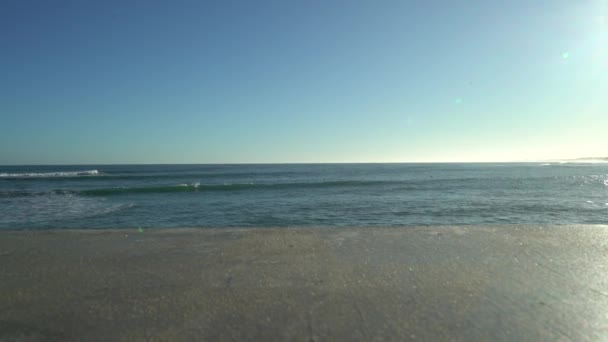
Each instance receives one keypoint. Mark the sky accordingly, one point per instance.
(111, 82)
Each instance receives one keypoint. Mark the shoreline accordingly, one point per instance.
(484, 227)
(499, 282)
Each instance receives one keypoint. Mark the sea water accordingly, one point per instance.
(328, 195)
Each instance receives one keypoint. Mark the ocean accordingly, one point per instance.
(285, 195)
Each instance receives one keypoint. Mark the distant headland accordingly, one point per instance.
(592, 159)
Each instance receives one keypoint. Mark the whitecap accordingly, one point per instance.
(193, 185)
(51, 174)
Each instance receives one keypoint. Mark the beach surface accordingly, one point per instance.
(463, 283)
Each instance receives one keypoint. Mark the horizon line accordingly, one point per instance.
(317, 163)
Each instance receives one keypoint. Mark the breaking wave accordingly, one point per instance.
(50, 174)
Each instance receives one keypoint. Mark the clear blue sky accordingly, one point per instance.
(302, 81)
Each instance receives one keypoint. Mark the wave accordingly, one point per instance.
(225, 175)
(23, 193)
(137, 175)
(434, 184)
(197, 187)
(50, 174)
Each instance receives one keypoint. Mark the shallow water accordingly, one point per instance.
(98, 196)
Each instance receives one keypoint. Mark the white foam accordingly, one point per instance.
(193, 185)
(51, 174)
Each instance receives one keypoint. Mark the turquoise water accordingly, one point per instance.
(102, 196)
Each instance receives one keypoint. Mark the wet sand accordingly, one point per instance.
(516, 283)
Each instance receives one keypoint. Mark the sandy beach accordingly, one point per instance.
(518, 283)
